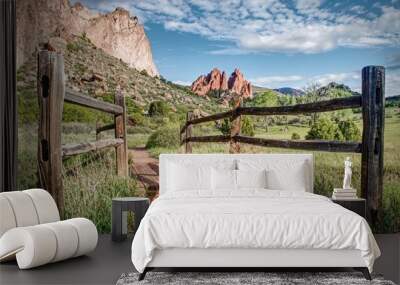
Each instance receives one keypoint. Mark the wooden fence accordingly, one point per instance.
(372, 102)
(52, 93)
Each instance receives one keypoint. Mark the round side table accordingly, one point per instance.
(120, 208)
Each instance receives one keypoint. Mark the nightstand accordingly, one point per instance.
(357, 205)
(120, 208)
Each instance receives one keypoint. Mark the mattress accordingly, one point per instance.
(250, 219)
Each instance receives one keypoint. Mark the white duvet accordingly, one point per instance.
(250, 219)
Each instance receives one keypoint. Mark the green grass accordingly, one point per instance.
(137, 140)
(89, 189)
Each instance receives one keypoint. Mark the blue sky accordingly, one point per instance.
(275, 43)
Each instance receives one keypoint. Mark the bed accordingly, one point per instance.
(247, 210)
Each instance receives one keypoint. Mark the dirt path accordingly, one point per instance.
(145, 169)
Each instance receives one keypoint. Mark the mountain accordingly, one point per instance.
(329, 89)
(290, 91)
(393, 101)
(216, 82)
(117, 33)
(259, 89)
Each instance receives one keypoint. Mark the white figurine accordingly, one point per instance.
(347, 173)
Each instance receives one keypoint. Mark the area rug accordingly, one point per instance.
(243, 278)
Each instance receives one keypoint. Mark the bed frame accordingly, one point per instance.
(242, 259)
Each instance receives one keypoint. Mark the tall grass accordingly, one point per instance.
(90, 183)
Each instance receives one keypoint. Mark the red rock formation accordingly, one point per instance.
(216, 80)
(224, 82)
(239, 85)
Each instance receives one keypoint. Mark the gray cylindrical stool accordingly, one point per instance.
(120, 208)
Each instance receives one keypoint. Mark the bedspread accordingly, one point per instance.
(250, 218)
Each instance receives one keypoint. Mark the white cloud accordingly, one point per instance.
(181, 82)
(307, 4)
(273, 80)
(308, 26)
(392, 84)
(275, 26)
(335, 77)
(352, 79)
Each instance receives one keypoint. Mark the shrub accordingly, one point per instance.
(216, 93)
(268, 98)
(247, 127)
(326, 129)
(224, 127)
(349, 130)
(73, 113)
(166, 136)
(158, 108)
(144, 72)
(323, 129)
(73, 47)
(295, 136)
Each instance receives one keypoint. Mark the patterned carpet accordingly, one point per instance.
(243, 278)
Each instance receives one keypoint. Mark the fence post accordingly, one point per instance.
(234, 146)
(189, 128)
(120, 133)
(98, 136)
(373, 110)
(51, 92)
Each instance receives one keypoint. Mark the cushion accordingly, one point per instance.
(87, 234)
(7, 220)
(40, 244)
(26, 208)
(284, 174)
(279, 180)
(251, 178)
(23, 208)
(224, 179)
(45, 205)
(188, 177)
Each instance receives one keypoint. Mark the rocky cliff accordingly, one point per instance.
(217, 82)
(117, 33)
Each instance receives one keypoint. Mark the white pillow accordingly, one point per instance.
(280, 180)
(184, 177)
(223, 179)
(281, 174)
(251, 178)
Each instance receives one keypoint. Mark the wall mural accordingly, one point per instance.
(109, 49)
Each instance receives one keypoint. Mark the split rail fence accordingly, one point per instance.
(372, 103)
(52, 93)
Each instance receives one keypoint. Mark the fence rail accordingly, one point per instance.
(52, 93)
(75, 149)
(76, 98)
(372, 103)
(105, 128)
(316, 107)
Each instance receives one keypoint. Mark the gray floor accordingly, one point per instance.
(110, 260)
(103, 266)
